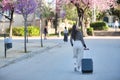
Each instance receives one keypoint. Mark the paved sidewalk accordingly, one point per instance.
(16, 53)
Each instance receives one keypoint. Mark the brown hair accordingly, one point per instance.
(74, 31)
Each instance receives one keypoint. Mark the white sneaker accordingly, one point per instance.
(76, 68)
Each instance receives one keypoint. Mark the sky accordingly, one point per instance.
(49, 0)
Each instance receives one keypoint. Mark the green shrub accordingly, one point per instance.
(99, 25)
(33, 31)
(69, 30)
(71, 22)
(90, 31)
(19, 31)
(52, 34)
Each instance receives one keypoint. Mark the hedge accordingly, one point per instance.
(90, 31)
(19, 31)
(100, 25)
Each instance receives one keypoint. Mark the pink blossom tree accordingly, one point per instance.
(25, 7)
(8, 6)
(83, 5)
(94, 5)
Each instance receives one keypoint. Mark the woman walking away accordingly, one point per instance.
(65, 35)
(79, 45)
(116, 25)
(45, 33)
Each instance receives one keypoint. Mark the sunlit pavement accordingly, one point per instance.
(55, 62)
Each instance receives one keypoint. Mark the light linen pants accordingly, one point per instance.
(78, 50)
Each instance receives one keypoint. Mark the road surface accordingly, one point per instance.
(57, 63)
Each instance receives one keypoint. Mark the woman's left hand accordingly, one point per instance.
(86, 48)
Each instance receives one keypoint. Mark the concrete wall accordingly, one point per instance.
(17, 22)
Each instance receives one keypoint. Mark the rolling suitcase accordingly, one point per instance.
(87, 65)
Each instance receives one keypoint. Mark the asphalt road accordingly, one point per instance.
(57, 64)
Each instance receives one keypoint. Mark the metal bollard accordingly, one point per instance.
(8, 44)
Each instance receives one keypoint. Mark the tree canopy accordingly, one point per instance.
(25, 6)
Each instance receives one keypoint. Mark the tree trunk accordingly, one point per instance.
(10, 28)
(84, 31)
(11, 21)
(25, 33)
(56, 23)
(83, 28)
(41, 32)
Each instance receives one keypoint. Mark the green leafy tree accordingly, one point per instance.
(116, 11)
(71, 12)
(118, 1)
(43, 12)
